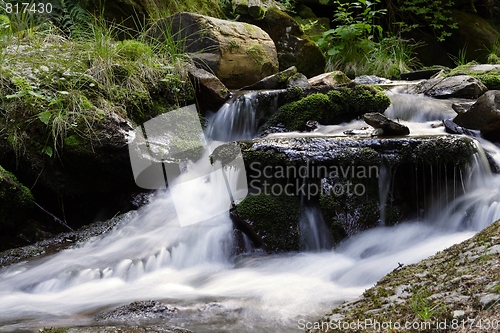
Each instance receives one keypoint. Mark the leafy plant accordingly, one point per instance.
(424, 13)
(424, 307)
(461, 58)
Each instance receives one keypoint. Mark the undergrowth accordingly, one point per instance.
(59, 80)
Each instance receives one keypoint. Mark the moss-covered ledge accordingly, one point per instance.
(342, 176)
(339, 104)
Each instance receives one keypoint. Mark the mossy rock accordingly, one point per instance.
(15, 201)
(489, 75)
(293, 46)
(338, 105)
(272, 221)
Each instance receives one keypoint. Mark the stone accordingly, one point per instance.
(464, 86)
(371, 79)
(254, 8)
(452, 128)
(322, 160)
(331, 79)
(484, 115)
(293, 46)
(389, 127)
(461, 107)
(208, 88)
(275, 81)
(238, 53)
(298, 80)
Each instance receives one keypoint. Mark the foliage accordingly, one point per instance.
(425, 13)
(357, 44)
(355, 33)
(55, 85)
(423, 306)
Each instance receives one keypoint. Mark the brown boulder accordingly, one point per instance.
(239, 54)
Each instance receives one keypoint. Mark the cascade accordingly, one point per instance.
(150, 256)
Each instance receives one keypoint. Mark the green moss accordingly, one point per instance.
(342, 104)
(54, 330)
(274, 218)
(133, 50)
(490, 78)
(295, 115)
(15, 200)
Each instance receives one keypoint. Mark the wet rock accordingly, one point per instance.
(208, 88)
(270, 221)
(293, 46)
(389, 127)
(275, 81)
(461, 107)
(237, 53)
(139, 311)
(118, 329)
(331, 79)
(455, 86)
(298, 80)
(325, 170)
(371, 79)
(484, 116)
(453, 128)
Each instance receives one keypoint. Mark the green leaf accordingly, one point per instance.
(45, 117)
(48, 151)
(35, 94)
(16, 95)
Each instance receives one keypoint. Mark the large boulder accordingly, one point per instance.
(293, 46)
(454, 86)
(484, 115)
(239, 54)
(342, 175)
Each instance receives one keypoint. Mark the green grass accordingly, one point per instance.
(387, 58)
(54, 85)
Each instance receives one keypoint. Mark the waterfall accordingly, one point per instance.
(314, 233)
(150, 256)
(238, 119)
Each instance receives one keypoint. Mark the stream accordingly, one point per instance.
(194, 268)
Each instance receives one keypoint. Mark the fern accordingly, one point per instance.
(72, 16)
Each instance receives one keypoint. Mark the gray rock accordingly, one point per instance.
(331, 79)
(208, 88)
(371, 79)
(275, 81)
(455, 86)
(298, 80)
(453, 128)
(484, 115)
(461, 107)
(488, 299)
(388, 126)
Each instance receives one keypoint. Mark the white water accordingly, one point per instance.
(193, 268)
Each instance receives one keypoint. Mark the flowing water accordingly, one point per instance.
(150, 256)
